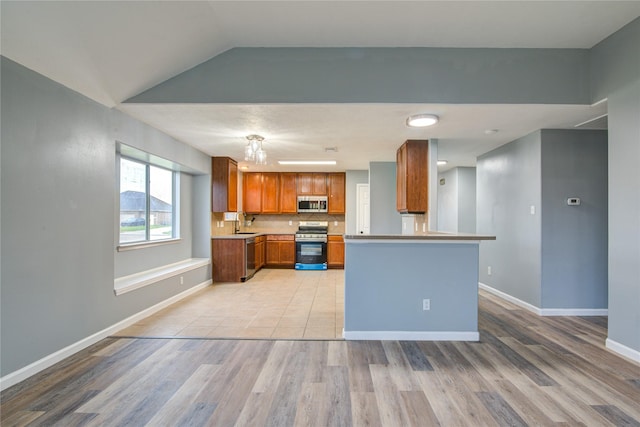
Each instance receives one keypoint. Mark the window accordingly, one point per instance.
(147, 202)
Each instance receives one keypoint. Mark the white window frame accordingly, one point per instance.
(147, 161)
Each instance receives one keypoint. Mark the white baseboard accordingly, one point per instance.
(623, 350)
(411, 335)
(50, 360)
(545, 311)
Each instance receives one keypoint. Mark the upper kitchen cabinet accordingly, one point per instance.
(312, 184)
(336, 184)
(412, 177)
(270, 192)
(224, 184)
(261, 192)
(288, 193)
(252, 192)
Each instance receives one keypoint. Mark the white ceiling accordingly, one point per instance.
(112, 50)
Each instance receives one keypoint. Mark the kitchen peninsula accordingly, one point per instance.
(422, 286)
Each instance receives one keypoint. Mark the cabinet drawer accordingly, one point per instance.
(280, 237)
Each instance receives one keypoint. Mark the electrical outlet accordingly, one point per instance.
(335, 223)
(424, 227)
(489, 270)
(426, 304)
(182, 280)
(290, 222)
(532, 209)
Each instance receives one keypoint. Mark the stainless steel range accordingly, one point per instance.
(311, 245)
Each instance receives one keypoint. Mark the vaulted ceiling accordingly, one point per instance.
(110, 51)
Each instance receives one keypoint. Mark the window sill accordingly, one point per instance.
(142, 245)
(125, 284)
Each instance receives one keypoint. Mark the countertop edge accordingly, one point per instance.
(414, 237)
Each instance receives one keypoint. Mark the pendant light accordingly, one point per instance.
(254, 151)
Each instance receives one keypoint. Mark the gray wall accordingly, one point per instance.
(457, 200)
(574, 238)
(385, 284)
(384, 218)
(615, 65)
(554, 258)
(353, 177)
(508, 184)
(59, 218)
(433, 75)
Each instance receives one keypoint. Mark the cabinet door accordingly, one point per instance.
(401, 174)
(412, 177)
(336, 183)
(335, 252)
(259, 254)
(270, 192)
(287, 253)
(272, 252)
(305, 184)
(224, 184)
(319, 184)
(288, 199)
(252, 192)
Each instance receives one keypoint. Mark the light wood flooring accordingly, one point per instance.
(526, 370)
(275, 303)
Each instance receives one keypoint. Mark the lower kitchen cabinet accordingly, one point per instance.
(260, 252)
(280, 251)
(228, 259)
(335, 252)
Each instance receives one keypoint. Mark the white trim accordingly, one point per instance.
(125, 284)
(623, 350)
(574, 312)
(546, 311)
(510, 298)
(50, 360)
(412, 335)
(147, 244)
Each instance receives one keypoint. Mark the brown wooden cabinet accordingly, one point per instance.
(288, 193)
(228, 259)
(280, 251)
(336, 193)
(335, 252)
(312, 184)
(252, 192)
(260, 251)
(270, 192)
(412, 177)
(224, 184)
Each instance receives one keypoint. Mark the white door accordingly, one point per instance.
(362, 209)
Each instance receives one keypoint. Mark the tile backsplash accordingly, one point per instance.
(274, 223)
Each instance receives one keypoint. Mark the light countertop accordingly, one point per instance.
(429, 235)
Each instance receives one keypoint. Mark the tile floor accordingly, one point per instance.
(273, 304)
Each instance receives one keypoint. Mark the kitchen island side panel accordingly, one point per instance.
(386, 283)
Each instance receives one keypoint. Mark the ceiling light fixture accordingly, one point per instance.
(422, 120)
(442, 162)
(307, 162)
(253, 151)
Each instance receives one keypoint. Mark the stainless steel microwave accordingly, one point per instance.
(312, 204)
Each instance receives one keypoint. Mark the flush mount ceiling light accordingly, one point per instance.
(307, 162)
(253, 151)
(422, 120)
(442, 162)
